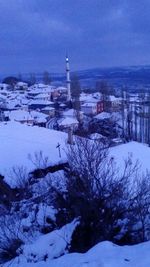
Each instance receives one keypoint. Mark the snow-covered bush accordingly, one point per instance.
(10, 237)
(107, 200)
(9, 249)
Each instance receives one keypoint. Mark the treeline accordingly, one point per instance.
(30, 78)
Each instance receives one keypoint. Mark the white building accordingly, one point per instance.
(89, 108)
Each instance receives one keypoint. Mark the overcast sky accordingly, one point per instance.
(35, 34)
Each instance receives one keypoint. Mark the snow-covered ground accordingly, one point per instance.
(104, 254)
(138, 152)
(17, 141)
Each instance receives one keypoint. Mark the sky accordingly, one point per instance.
(36, 34)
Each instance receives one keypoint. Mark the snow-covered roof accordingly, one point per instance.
(89, 105)
(13, 103)
(36, 91)
(3, 97)
(96, 136)
(69, 112)
(62, 105)
(61, 88)
(40, 120)
(4, 85)
(5, 92)
(41, 86)
(25, 101)
(40, 102)
(22, 115)
(90, 98)
(68, 121)
(113, 98)
(42, 95)
(22, 84)
(19, 115)
(103, 115)
(48, 108)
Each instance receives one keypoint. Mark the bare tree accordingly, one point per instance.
(140, 207)
(46, 78)
(105, 90)
(32, 78)
(20, 175)
(39, 160)
(11, 237)
(75, 92)
(20, 77)
(98, 193)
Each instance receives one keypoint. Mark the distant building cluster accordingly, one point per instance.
(67, 108)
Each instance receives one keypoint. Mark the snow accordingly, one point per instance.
(69, 113)
(96, 136)
(19, 140)
(22, 84)
(42, 96)
(56, 180)
(51, 245)
(103, 116)
(13, 103)
(104, 254)
(19, 115)
(113, 98)
(89, 98)
(40, 102)
(22, 115)
(39, 212)
(68, 121)
(89, 105)
(138, 151)
(61, 88)
(45, 211)
(40, 89)
(2, 97)
(48, 108)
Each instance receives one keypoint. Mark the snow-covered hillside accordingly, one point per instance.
(51, 249)
(19, 140)
(138, 152)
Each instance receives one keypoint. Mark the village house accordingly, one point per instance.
(21, 86)
(114, 103)
(89, 108)
(39, 104)
(4, 87)
(91, 104)
(27, 117)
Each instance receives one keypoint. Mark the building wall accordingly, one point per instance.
(100, 107)
(89, 109)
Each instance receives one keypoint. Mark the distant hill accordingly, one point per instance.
(134, 78)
